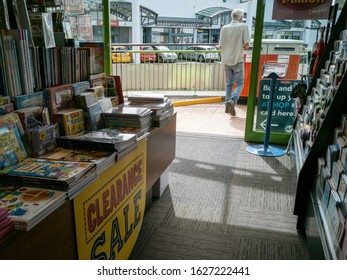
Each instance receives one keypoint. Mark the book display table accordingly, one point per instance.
(80, 228)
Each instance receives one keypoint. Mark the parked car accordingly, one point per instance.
(165, 55)
(200, 53)
(120, 54)
(147, 56)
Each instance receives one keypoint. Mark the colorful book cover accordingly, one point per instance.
(35, 99)
(70, 121)
(41, 168)
(5, 109)
(27, 206)
(63, 154)
(12, 150)
(42, 139)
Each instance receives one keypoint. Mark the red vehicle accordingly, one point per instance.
(147, 56)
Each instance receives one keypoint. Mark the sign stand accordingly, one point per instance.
(273, 71)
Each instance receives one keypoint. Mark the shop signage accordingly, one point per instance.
(109, 212)
(301, 9)
(283, 112)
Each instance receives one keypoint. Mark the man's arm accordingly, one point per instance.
(246, 46)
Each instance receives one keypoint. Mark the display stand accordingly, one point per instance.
(272, 71)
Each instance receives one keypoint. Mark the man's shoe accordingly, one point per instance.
(227, 107)
(232, 110)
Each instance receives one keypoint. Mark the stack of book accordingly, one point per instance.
(123, 116)
(161, 106)
(6, 224)
(100, 159)
(100, 141)
(50, 174)
(27, 206)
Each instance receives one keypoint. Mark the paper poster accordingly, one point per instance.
(85, 28)
(73, 6)
(109, 212)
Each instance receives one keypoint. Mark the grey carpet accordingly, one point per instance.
(222, 203)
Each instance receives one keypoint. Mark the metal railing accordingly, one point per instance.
(190, 71)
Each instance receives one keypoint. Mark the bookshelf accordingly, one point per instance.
(309, 209)
(61, 225)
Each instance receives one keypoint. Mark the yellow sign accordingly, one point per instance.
(109, 212)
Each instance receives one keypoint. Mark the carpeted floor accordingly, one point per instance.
(222, 203)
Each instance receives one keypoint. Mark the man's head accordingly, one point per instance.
(237, 14)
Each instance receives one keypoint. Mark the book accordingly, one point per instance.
(332, 155)
(24, 58)
(60, 98)
(42, 139)
(60, 175)
(342, 187)
(6, 108)
(80, 87)
(337, 171)
(86, 99)
(4, 18)
(42, 30)
(146, 98)
(97, 80)
(30, 116)
(28, 206)
(98, 140)
(105, 103)
(70, 121)
(12, 150)
(34, 99)
(101, 159)
(93, 117)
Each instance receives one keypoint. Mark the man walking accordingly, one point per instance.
(234, 38)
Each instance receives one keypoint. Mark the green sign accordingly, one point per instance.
(283, 111)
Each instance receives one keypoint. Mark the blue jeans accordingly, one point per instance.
(233, 74)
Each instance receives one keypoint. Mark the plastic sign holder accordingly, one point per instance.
(272, 71)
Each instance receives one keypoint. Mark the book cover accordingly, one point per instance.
(42, 139)
(101, 159)
(128, 112)
(80, 87)
(93, 117)
(97, 80)
(47, 169)
(30, 116)
(70, 121)
(332, 155)
(12, 150)
(5, 109)
(86, 99)
(97, 140)
(60, 98)
(336, 174)
(105, 103)
(34, 99)
(27, 206)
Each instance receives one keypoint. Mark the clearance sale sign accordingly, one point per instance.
(109, 212)
(301, 9)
